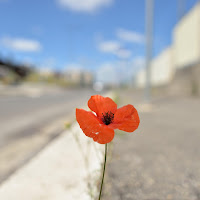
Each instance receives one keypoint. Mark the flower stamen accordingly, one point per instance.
(107, 118)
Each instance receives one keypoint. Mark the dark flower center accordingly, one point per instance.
(107, 118)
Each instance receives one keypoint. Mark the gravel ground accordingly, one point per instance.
(161, 160)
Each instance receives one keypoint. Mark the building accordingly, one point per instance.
(79, 77)
(178, 64)
(186, 39)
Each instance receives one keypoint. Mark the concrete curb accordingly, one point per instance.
(67, 168)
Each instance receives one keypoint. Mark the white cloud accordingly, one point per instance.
(115, 72)
(123, 53)
(109, 46)
(106, 73)
(119, 71)
(21, 44)
(84, 5)
(114, 47)
(130, 36)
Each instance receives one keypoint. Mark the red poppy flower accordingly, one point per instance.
(100, 123)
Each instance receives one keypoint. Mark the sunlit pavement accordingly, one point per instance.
(68, 168)
(161, 159)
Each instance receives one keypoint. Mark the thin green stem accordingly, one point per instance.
(104, 167)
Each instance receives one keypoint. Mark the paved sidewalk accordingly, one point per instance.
(161, 160)
(67, 169)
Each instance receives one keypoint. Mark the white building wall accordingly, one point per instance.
(162, 68)
(186, 39)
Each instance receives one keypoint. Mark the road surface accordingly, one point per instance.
(29, 122)
(160, 160)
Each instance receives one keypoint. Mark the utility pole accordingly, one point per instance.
(149, 46)
(181, 9)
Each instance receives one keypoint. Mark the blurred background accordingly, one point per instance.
(55, 54)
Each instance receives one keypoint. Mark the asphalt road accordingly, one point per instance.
(21, 112)
(160, 160)
(29, 122)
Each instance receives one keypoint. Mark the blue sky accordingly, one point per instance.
(60, 34)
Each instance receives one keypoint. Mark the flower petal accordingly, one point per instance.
(92, 127)
(105, 135)
(126, 118)
(100, 105)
